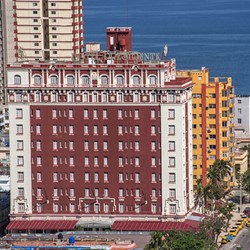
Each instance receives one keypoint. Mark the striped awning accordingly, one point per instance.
(42, 225)
(151, 226)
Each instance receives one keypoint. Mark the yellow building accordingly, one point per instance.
(213, 122)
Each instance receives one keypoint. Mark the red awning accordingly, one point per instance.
(151, 226)
(42, 225)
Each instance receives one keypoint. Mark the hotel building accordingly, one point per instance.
(213, 122)
(105, 139)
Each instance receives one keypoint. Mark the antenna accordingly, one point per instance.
(126, 12)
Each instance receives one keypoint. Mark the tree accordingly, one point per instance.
(201, 193)
(245, 182)
(157, 241)
(213, 226)
(226, 210)
(186, 240)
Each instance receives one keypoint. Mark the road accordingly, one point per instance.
(242, 239)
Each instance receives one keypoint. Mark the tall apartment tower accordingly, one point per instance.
(106, 139)
(213, 122)
(47, 30)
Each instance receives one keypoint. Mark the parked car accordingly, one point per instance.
(246, 211)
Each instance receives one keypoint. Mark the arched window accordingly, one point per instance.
(17, 79)
(37, 79)
(119, 97)
(152, 80)
(104, 80)
(85, 80)
(120, 80)
(136, 80)
(54, 79)
(70, 80)
(85, 97)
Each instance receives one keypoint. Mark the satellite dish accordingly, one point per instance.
(165, 50)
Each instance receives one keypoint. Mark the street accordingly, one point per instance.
(242, 240)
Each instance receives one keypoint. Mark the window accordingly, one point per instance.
(37, 79)
(39, 160)
(95, 114)
(104, 97)
(54, 80)
(38, 113)
(171, 129)
(239, 121)
(136, 97)
(19, 97)
(137, 145)
(20, 161)
(152, 114)
(53, 4)
(55, 176)
(137, 130)
(85, 114)
(137, 177)
(35, 28)
(171, 146)
(19, 113)
(85, 97)
(86, 161)
(120, 145)
(119, 97)
(172, 208)
(172, 177)
(153, 146)
(152, 80)
(96, 161)
(153, 177)
(55, 207)
(105, 129)
(137, 161)
(17, 79)
(19, 129)
(95, 145)
(121, 193)
(171, 114)
(95, 130)
(105, 161)
(71, 145)
(20, 176)
(54, 129)
(120, 80)
(71, 161)
(53, 12)
(87, 176)
(70, 80)
(120, 161)
(71, 129)
(38, 145)
(105, 114)
(106, 177)
(153, 193)
(153, 130)
(239, 101)
(38, 129)
(39, 176)
(119, 113)
(172, 193)
(96, 192)
(121, 208)
(104, 80)
(136, 80)
(21, 207)
(19, 145)
(137, 192)
(171, 161)
(55, 193)
(85, 80)
(72, 192)
(136, 114)
(55, 160)
(86, 145)
(106, 192)
(87, 193)
(120, 177)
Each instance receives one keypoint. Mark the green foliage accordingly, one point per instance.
(226, 210)
(213, 226)
(178, 240)
(246, 181)
(157, 241)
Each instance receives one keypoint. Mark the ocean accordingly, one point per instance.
(208, 33)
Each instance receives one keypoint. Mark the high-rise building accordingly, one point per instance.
(213, 122)
(47, 30)
(105, 139)
(242, 115)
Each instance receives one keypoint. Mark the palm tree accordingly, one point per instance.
(226, 210)
(201, 193)
(157, 241)
(216, 185)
